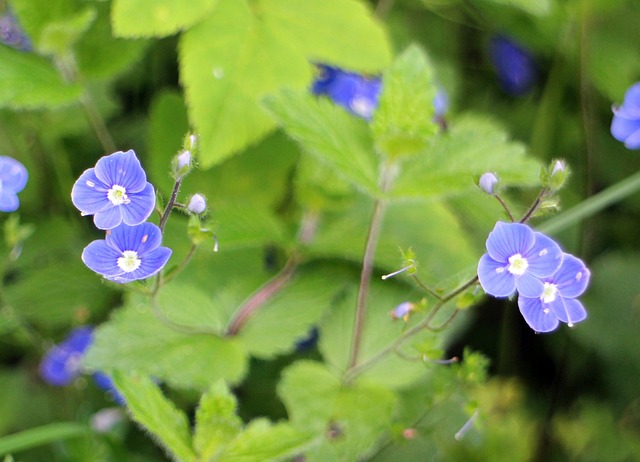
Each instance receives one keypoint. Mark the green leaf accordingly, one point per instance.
(57, 37)
(533, 7)
(216, 421)
(262, 441)
(156, 414)
(243, 52)
(247, 226)
(188, 306)
(352, 419)
(135, 339)
(473, 145)
(51, 433)
(290, 314)
(161, 17)
(328, 132)
(404, 122)
(31, 82)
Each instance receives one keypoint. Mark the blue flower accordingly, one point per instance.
(517, 258)
(402, 311)
(62, 363)
(115, 191)
(558, 300)
(514, 65)
(128, 253)
(13, 179)
(11, 33)
(625, 125)
(356, 93)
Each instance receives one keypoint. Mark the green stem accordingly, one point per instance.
(504, 206)
(169, 207)
(593, 205)
(373, 234)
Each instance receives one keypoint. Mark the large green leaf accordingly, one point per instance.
(326, 131)
(161, 17)
(135, 339)
(473, 145)
(28, 81)
(156, 414)
(243, 52)
(351, 418)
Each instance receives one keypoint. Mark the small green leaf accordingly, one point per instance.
(404, 122)
(328, 132)
(161, 17)
(216, 421)
(135, 339)
(30, 82)
(156, 414)
(57, 37)
(473, 145)
(262, 441)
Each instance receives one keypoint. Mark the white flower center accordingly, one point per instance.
(517, 264)
(118, 195)
(549, 293)
(362, 106)
(129, 261)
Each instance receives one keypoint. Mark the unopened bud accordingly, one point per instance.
(559, 172)
(197, 204)
(488, 182)
(181, 164)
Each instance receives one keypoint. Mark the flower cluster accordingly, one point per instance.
(359, 94)
(117, 194)
(625, 125)
(62, 364)
(547, 280)
(13, 179)
(514, 65)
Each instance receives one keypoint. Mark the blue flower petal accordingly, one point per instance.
(534, 314)
(9, 201)
(632, 96)
(633, 140)
(62, 363)
(508, 239)
(108, 218)
(101, 258)
(529, 286)
(141, 206)
(545, 257)
(572, 277)
(495, 279)
(568, 310)
(13, 174)
(123, 169)
(622, 128)
(142, 239)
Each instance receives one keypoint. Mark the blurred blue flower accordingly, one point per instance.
(104, 382)
(558, 300)
(309, 340)
(13, 179)
(11, 33)
(517, 258)
(354, 92)
(625, 125)
(128, 253)
(115, 191)
(62, 363)
(402, 311)
(440, 103)
(514, 65)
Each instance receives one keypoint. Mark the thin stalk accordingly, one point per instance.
(169, 207)
(534, 206)
(504, 206)
(175, 271)
(373, 235)
(260, 297)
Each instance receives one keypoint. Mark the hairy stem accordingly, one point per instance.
(169, 207)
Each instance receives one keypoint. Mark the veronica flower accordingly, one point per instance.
(104, 382)
(558, 300)
(115, 191)
(128, 253)
(13, 179)
(11, 33)
(62, 363)
(517, 258)
(625, 125)
(514, 65)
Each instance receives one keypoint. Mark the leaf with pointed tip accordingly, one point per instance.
(241, 53)
(155, 413)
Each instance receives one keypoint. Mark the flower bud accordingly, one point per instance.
(190, 143)
(181, 164)
(558, 174)
(197, 204)
(488, 182)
